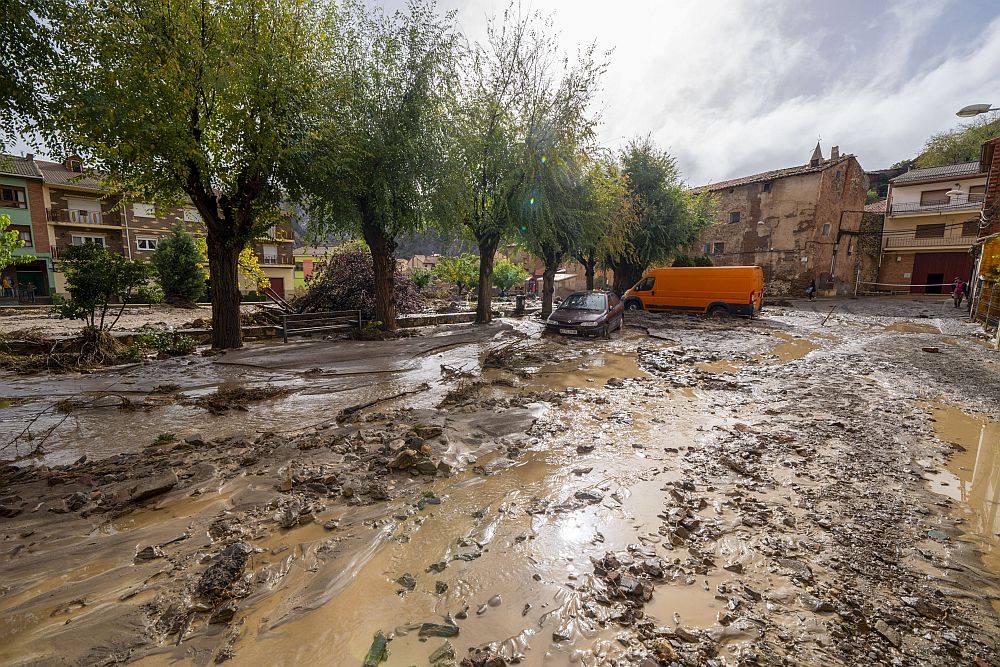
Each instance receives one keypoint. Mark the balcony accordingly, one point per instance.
(61, 216)
(272, 260)
(960, 236)
(972, 202)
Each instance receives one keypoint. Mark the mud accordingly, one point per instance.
(694, 492)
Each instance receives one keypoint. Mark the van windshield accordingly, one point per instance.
(584, 302)
(645, 284)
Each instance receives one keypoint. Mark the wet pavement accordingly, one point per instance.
(782, 491)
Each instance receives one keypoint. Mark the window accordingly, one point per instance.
(970, 228)
(645, 284)
(935, 231)
(934, 197)
(826, 229)
(145, 243)
(80, 239)
(86, 211)
(585, 301)
(767, 187)
(191, 215)
(272, 232)
(977, 193)
(706, 249)
(718, 248)
(270, 253)
(13, 197)
(144, 210)
(24, 235)
(299, 267)
(734, 216)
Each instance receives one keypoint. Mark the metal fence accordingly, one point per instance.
(986, 305)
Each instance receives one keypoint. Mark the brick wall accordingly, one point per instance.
(896, 269)
(39, 228)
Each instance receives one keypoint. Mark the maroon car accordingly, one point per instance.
(587, 313)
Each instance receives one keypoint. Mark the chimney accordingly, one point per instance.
(835, 153)
(29, 157)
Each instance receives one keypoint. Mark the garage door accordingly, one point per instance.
(939, 269)
(278, 285)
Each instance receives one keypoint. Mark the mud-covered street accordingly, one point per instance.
(807, 488)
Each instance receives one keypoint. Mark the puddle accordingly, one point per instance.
(972, 476)
(912, 327)
(720, 366)
(589, 371)
(790, 349)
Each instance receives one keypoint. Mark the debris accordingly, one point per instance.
(379, 651)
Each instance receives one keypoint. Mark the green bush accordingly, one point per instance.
(168, 343)
(421, 277)
(179, 267)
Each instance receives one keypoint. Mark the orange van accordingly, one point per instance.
(716, 290)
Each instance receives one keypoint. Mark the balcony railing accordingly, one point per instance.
(957, 203)
(276, 259)
(58, 215)
(955, 237)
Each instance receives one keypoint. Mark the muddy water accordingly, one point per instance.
(721, 366)
(913, 327)
(790, 349)
(972, 476)
(590, 371)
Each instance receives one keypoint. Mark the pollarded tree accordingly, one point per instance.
(178, 267)
(198, 99)
(667, 217)
(372, 163)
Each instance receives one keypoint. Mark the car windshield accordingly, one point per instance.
(584, 302)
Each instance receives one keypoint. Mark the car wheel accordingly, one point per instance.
(718, 312)
(633, 305)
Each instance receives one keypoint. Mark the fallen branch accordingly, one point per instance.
(348, 411)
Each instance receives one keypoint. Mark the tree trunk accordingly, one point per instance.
(383, 251)
(589, 264)
(223, 255)
(548, 288)
(487, 256)
(626, 275)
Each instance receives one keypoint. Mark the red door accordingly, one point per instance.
(278, 285)
(939, 269)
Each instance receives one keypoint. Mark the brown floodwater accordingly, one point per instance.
(591, 370)
(913, 327)
(972, 476)
(790, 349)
(720, 366)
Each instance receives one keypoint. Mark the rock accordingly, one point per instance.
(9, 511)
(584, 449)
(220, 576)
(437, 567)
(581, 471)
(438, 630)
(932, 350)
(289, 516)
(440, 587)
(332, 524)
(347, 491)
(444, 468)
(224, 613)
(137, 490)
(814, 604)
(379, 651)
(149, 553)
(403, 460)
(407, 582)
(443, 654)
(427, 432)
(734, 567)
(798, 569)
(195, 440)
(318, 487)
(639, 589)
(378, 491)
(426, 466)
(686, 635)
(589, 495)
(76, 501)
(888, 633)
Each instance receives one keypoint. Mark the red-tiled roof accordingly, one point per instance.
(12, 165)
(769, 175)
(876, 207)
(54, 173)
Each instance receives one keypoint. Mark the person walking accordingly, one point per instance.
(8, 287)
(811, 291)
(958, 292)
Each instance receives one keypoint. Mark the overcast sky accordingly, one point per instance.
(733, 87)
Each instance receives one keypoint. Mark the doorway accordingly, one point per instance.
(934, 282)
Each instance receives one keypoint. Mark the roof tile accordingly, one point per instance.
(769, 176)
(12, 165)
(931, 173)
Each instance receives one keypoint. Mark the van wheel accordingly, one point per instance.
(718, 312)
(633, 305)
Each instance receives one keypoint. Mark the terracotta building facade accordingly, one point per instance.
(67, 207)
(799, 224)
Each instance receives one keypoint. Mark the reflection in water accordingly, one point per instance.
(973, 475)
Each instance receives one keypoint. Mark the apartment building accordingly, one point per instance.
(66, 206)
(22, 200)
(933, 218)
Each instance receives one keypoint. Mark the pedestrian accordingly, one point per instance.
(811, 291)
(8, 287)
(958, 291)
(31, 292)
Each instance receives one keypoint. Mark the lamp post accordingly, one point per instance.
(975, 110)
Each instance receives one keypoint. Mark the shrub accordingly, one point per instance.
(421, 277)
(169, 343)
(179, 267)
(347, 282)
(461, 271)
(507, 274)
(686, 260)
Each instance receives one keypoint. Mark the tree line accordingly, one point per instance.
(377, 124)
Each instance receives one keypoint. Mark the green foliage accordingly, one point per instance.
(198, 99)
(10, 241)
(372, 163)
(179, 269)
(507, 274)
(461, 271)
(688, 260)
(94, 278)
(167, 343)
(165, 439)
(26, 41)
(667, 217)
(871, 196)
(961, 144)
(421, 276)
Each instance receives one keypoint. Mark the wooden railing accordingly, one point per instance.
(306, 323)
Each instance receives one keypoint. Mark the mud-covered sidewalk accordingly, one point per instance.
(810, 488)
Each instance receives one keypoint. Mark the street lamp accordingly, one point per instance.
(770, 234)
(975, 110)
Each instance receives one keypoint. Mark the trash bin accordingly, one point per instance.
(519, 304)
